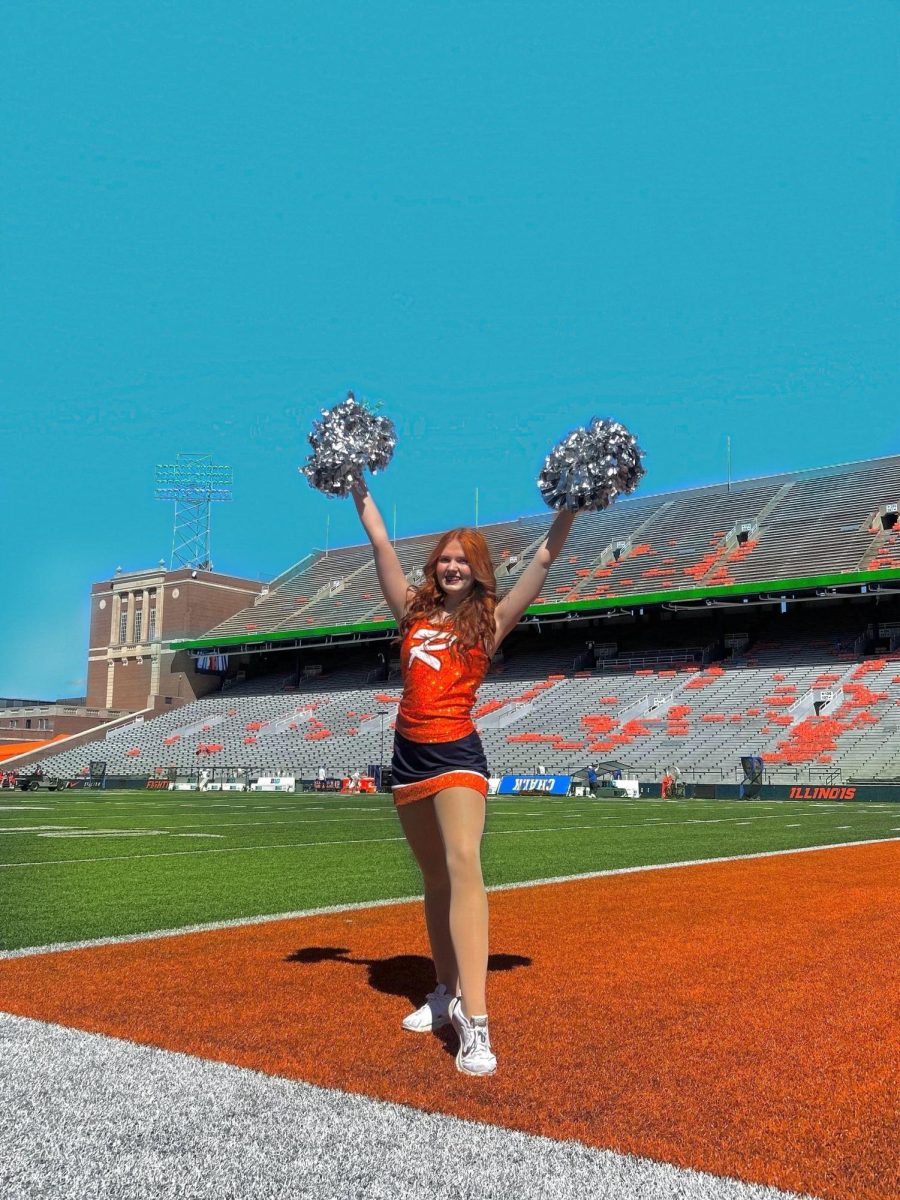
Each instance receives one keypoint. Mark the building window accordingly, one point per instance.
(43, 723)
(123, 625)
(151, 634)
(138, 623)
(28, 722)
(11, 724)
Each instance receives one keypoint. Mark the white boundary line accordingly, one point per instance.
(650, 822)
(239, 922)
(66, 862)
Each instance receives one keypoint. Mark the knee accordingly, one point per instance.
(464, 864)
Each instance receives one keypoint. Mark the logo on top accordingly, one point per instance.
(432, 640)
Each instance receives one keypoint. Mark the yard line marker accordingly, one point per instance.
(56, 862)
(316, 821)
(238, 922)
(28, 828)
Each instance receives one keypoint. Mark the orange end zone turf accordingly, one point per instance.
(738, 1018)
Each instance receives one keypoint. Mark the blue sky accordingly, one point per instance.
(498, 219)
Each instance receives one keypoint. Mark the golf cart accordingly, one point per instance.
(39, 782)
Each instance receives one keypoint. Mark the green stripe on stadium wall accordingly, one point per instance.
(598, 604)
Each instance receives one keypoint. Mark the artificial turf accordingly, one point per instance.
(729, 1017)
(80, 865)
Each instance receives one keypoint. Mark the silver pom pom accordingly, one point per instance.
(347, 440)
(590, 467)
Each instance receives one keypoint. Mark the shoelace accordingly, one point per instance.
(477, 1039)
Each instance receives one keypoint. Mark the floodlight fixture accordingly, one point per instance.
(194, 482)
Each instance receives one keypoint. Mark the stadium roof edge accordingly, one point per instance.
(772, 588)
(724, 485)
(733, 485)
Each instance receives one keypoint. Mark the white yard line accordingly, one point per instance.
(239, 922)
(55, 862)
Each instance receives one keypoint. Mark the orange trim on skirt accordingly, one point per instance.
(406, 793)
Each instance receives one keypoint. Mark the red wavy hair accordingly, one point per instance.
(473, 621)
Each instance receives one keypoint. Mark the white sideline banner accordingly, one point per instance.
(631, 787)
(274, 783)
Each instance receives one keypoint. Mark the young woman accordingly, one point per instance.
(449, 628)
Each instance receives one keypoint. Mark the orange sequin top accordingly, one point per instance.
(438, 686)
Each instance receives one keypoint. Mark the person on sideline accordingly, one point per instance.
(450, 626)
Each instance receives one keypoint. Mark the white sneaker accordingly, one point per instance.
(433, 1014)
(474, 1056)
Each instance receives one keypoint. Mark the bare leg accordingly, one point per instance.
(460, 817)
(424, 836)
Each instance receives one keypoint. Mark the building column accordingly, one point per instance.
(145, 617)
(129, 628)
(160, 594)
(116, 614)
(156, 649)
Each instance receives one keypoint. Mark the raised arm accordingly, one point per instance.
(528, 586)
(393, 582)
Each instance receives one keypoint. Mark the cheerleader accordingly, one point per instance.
(450, 626)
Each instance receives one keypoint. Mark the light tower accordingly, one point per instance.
(194, 482)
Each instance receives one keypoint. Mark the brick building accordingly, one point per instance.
(136, 615)
(43, 721)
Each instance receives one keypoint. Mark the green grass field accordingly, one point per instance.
(78, 865)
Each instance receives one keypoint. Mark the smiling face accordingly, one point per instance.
(454, 574)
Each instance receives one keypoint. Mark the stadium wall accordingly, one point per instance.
(823, 793)
(20, 725)
(26, 759)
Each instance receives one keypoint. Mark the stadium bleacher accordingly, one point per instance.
(542, 711)
(805, 700)
(804, 524)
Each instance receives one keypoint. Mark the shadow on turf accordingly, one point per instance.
(408, 975)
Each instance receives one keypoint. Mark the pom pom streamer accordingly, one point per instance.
(347, 440)
(590, 467)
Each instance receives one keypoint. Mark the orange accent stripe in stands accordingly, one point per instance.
(11, 749)
(738, 1018)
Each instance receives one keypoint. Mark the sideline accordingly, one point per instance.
(239, 922)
